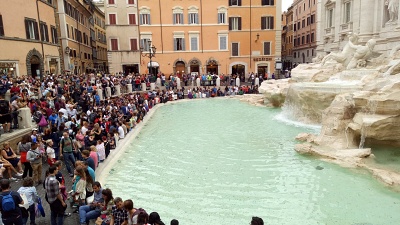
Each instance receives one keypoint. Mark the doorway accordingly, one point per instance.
(262, 70)
(212, 67)
(132, 68)
(179, 68)
(35, 66)
(238, 69)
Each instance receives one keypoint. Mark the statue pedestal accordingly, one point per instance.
(218, 82)
(158, 82)
(117, 90)
(144, 87)
(257, 81)
(152, 86)
(129, 87)
(24, 118)
(198, 82)
(178, 83)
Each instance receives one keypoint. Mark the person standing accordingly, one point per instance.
(31, 194)
(9, 204)
(35, 157)
(66, 146)
(54, 197)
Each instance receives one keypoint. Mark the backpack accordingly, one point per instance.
(7, 203)
(62, 143)
(4, 107)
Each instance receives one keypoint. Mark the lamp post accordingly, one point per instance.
(149, 52)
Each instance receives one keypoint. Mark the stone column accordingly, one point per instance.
(198, 82)
(117, 90)
(152, 86)
(218, 82)
(108, 92)
(257, 81)
(237, 81)
(144, 87)
(178, 83)
(129, 87)
(24, 118)
(100, 93)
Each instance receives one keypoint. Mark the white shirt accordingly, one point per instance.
(121, 132)
(50, 152)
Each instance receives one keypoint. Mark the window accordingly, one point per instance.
(131, 2)
(223, 42)
(329, 21)
(235, 23)
(132, 19)
(308, 38)
(267, 48)
(111, 2)
(303, 23)
(312, 18)
(294, 27)
(67, 30)
(308, 21)
(221, 18)
(133, 43)
(235, 49)
(114, 44)
(179, 44)
(267, 23)
(347, 12)
(1, 26)
(267, 2)
(302, 40)
(235, 2)
(294, 54)
(312, 37)
(193, 18)
(112, 19)
(54, 37)
(31, 28)
(194, 43)
(144, 43)
(178, 18)
(44, 32)
(144, 19)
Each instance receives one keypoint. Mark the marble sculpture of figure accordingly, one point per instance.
(393, 9)
(345, 55)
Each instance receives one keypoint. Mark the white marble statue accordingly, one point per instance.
(393, 9)
(362, 53)
(346, 54)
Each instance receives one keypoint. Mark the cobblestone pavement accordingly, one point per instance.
(72, 220)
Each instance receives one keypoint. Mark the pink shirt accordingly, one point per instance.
(93, 155)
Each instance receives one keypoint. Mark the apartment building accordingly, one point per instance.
(99, 40)
(304, 30)
(28, 38)
(287, 39)
(122, 28)
(75, 22)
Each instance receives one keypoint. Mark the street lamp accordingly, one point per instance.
(149, 52)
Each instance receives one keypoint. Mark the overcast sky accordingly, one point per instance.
(286, 4)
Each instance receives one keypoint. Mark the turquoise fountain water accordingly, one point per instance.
(220, 161)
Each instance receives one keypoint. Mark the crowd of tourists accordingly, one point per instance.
(79, 124)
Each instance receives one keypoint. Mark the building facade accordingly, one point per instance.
(99, 41)
(75, 22)
(210, 36)
(287, 39)
(377, 19)
(122, 35)
(304, 30)
(28, 38)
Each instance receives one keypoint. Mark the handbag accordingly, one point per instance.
(99, 221)
(43, 122)
(40, 208)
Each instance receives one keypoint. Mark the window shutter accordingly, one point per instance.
(263, 23)
(149, 19)
(36, 30)
(42, 32)
(197, 18)
(239, 2)
(267, 48)
(183, 44)
(131, 2)
(239, 23)
(174, 18)
(189, 21)
(134, 44)
(219, 18)
(230, 2)
(175, 45)
(272, 2)
(140, 19)
(27, 29)
(55, 36)
(271, 21)
(47, 33)
(230, 23)
(142, 44)
(181, 18)
(1, 26)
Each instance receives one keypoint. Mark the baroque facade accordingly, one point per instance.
(28, 38)
(287, 38)
(205, 36)
(304, 30)
(99, 40)
(377, 19)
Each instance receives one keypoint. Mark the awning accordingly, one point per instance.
(153, 64)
